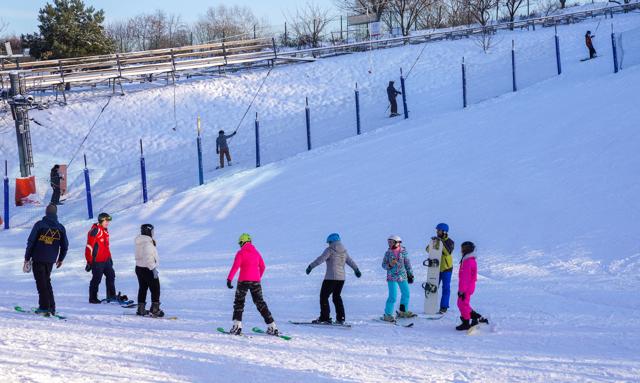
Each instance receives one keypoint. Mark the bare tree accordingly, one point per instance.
(548, 7)
(405, 13)
(309, 23)
(457, 13)
(225, 22)
(512, 9)
(434, 16)
(362, 7)
(480, 10)
(485, 39)
(3, 25)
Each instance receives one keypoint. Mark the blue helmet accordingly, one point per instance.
(334, 237)
(443, 227)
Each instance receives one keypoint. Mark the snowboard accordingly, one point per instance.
(33, 311)
(223, 331)
(431, 293)
(395, 323)
(589, 58)
(258, 330)
(152, 316)
(344, 325)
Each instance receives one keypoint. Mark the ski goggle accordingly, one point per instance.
(107, 218)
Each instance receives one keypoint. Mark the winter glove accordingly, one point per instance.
(410, 278)
(87, 268)
(358, 273)
(308, 271)
(26, 267)
(58, 264)
(460, 295)
(434, 238)
(229, 285)
(155, 273)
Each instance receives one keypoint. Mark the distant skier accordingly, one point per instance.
(446, 264)
(222, 148)
(399, 274)
(47, 244)
(99, 262)
(252, 267)
(588, 38)
(147, 271)
(467, 275)
(55, 180)
(335, 256)
(392, 93)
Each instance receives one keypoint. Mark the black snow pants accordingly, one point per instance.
(394, 106)
(98, 269)
(146, 281)
(258, 300)
(333, 288)
(42, 275)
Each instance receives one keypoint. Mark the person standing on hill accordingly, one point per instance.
(99, 262)
(47, 245)
(446, 264)
(467, 277)
(222, 148)
(55, 180)
(588, 39)
(399, 274)
(335, 256)
(251, 265)
(147, 261)
(392, 93)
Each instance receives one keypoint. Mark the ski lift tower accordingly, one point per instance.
(20, 103)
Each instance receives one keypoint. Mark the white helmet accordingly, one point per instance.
(395, 238)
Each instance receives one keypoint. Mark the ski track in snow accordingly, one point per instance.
(544, 181)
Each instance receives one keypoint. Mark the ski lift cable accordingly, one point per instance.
(253, 99)
(90, 130)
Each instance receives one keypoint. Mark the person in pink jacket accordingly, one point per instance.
(251, 265)
(467, 277)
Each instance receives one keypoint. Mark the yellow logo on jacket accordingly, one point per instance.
(50, 236)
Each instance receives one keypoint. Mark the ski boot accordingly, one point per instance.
(403, 313)
(477, 318)
(236, 329)
(464, 326)
(155, 310)
(94, 300)
(43, 312)
(141, 309)
(388, 318)
(272, 329)
(321, 321)
(443, 310)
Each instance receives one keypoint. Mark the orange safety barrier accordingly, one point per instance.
(24, 188)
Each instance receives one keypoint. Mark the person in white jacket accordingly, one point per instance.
(147, 271)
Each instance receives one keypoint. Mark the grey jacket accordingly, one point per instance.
(335, 255)
(221, 141)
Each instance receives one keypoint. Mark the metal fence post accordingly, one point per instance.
(308, 116)
(200, 166)
(513, 65)
(357, 110)
(143, 174)
(558, 64)
(615, 50)
(87, 185)
(464, 85)
(404, 96)
(257, 141)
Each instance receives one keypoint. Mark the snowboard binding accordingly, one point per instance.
(430, 288)
(431, 263)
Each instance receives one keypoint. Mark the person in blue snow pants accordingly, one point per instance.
(393, 296)
(399, 274)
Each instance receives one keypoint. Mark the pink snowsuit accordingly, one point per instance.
(250, 263)
(467, 277)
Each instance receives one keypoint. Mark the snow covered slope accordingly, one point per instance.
(544, 181)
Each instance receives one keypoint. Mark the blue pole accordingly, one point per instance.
(615, 52)
(357, 110)
(199, 144)
(558, 64)
(143, 174)
(87, 185)
(404, 96)
(513, 65)
(308, 115)
(6, 197)
(257, 141)
(464, 85)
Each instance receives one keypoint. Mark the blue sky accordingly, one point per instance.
(22, 14)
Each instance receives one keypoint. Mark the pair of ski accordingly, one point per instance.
(255, 330)
(35, 312)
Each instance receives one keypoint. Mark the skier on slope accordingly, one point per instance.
(392, 93)
(147, 262)
(222, 148)
(99, 262)
(47, 245)
(446, 264)
(588, 39)
(467, 275)
(399, 274)
(252, 267)
(335, 256)
(55, 180)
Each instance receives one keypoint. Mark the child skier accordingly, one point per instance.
(147, 271)
(446, 264)
(222, 147)
(252, 267)
(468, 274)
(392, 93)
(588, 39)
(399, 274)
(335, 256)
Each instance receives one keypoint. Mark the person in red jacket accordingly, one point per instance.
(588, 40)
(99, 260)
(251, 265)
(467, 277)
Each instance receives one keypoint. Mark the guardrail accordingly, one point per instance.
(140, 65)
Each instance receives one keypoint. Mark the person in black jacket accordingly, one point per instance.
(47, 244)
(392, 93)
(54, 179)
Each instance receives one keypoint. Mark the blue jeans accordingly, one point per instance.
(393, 295)
(445, 279)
